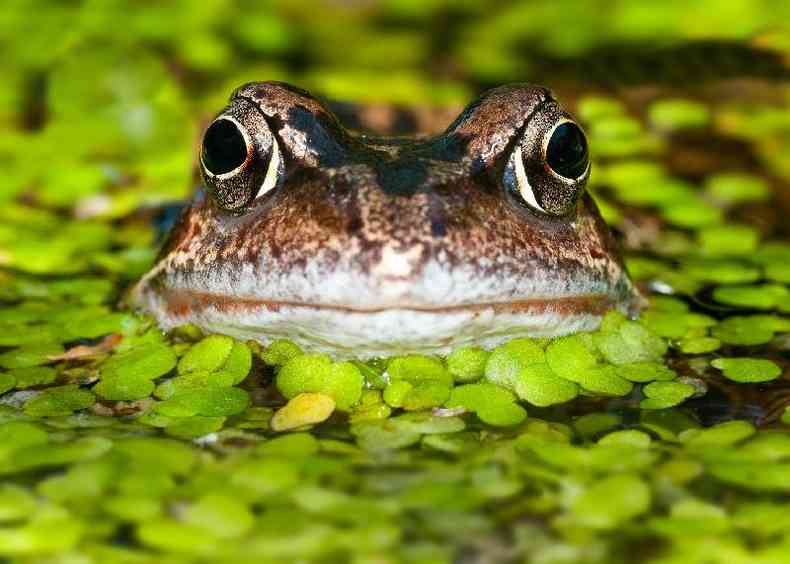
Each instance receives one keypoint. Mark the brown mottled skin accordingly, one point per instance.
(363, 226)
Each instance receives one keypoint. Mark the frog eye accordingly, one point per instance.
(549, 168)
(225, 147)
(239, 158)
(566, 150)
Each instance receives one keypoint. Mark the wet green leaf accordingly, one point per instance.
(675, 113)
(506, 361)
(467, 364)
(748, 370)
(540, 386)
(492, 404)
(612, 501)
(61, 400)
(661, 395)
(301, 410)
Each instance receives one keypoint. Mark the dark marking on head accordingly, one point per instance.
(320, 133)
(402, 177)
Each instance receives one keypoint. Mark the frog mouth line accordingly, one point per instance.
(181, 303)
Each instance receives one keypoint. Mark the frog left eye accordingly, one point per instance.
(225, 147)
(566, 151)
(549, 167)
(239, 158)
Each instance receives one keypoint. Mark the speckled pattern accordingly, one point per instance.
(368, 225)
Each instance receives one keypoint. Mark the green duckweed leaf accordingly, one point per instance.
(699, 345)
(540, 386)
(7, 382)
(611, 502)
(676, 113)
(180, 538)
(604, 380)
(630, 437)
(427, 423)
(778, 272)
(424, 396)
(130, 387)
(493, 404)
(16, 503)
(279, 352)
(736, 188)
(193, 381)
(748, 370)
(645, 372)
(293, 444)
(506, 361)
(313, 373)
(220, 515)
(33, 376)
(383, 434)
(19, 434)
(728, 240)
(570, 356)
(50, 531)
(209, 402)
(417, 369)
(631, 343)
(30, 355)
(723, 434)
(744, 330)
(766, 296)
(692, 214)
(661, 395)
(467, 364)
(207, 355)
(166, 455)
(149, 361)
(61, 400)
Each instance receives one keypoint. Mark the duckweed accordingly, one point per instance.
(60, 400)
(318, 374)
(661, 395)
(766, 296)
(467, 364)
(672, 114)
(746, 370)
(492, 404)
(735, 188)
(507, 361)
(304, 409)
(279, 352)
(611, 502)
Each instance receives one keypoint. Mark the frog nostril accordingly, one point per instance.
(224, 147)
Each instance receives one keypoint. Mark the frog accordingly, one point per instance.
(365, 246)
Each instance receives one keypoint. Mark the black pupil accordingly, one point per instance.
(567, 151)
(224, 148)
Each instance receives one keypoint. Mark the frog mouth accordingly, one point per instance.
(372, 331)
(184, 303)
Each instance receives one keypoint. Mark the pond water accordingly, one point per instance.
(663, 439)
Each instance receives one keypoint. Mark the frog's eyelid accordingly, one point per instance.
(524, 187)
(272, 173)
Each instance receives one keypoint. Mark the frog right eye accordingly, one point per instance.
(240, 159)
(549, 166)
